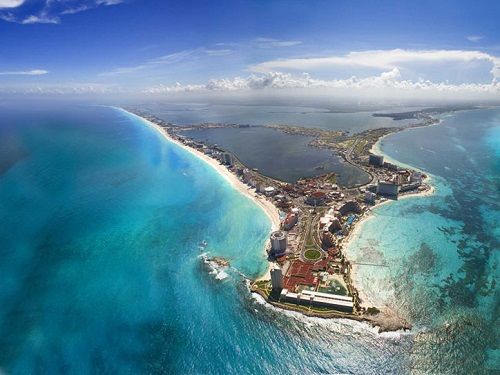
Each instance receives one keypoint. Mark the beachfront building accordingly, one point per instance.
(335, 226)
(311, 298)
(227, 159)
(409, 187)
(370, 197)
(278, 242)
(376, 160)
(416, 177)
(291, 219)
(388, 188)
(269, 191)
(390, 166)
(276, 278)
(350, 207)
(326, 221)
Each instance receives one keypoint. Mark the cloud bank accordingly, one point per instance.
(474, 38)
(275, 43)
(169, 59)
(388, 74)
(388, 84)
(380, 59)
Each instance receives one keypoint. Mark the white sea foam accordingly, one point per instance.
(339, 325)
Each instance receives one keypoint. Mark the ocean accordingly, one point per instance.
(101, 271)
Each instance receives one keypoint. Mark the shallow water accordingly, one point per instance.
(442, 251)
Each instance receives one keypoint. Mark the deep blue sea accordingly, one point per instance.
(100, 267)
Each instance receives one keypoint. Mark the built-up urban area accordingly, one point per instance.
(310, 272)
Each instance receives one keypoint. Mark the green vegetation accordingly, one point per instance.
(262, 284)
(310, 244)
(358, 149)
(312, 254)
(335, 288)
(318, 311)
(372, 310)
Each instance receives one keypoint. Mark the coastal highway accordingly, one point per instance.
(347, 158)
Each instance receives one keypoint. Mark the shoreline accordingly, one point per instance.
(266, 206)
(376, 149)
(368, 215)
(386, 319)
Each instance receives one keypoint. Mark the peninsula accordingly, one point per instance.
(314, 218)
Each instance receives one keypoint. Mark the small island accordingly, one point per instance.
(314, 218)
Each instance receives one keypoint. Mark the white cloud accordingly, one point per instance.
(219, 52)
(378, 59)
(172, 58)
(273, 43)
(7, 17)
(152, 63)
(474, 38)
(48, 11)
(387, 84)
(43, 17)
(278, 86)
(34, 72)
(73, 88)
(74, 10)
(227, 44)
(10, 3)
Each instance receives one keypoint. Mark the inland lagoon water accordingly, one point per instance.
(276, 154)
(101, 272)
(309, 117)
(283, 156)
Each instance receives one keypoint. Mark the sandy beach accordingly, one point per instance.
(366, 301)
(268, 207)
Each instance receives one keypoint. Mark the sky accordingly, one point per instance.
(161, 48)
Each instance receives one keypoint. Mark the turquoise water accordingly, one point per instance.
(442, 251)
(100, 270)
(100, 224)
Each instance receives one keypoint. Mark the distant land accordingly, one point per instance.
(423, 112)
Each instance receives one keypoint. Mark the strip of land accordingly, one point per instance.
(309, 271)
(270, 210)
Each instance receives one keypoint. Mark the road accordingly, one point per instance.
(348, 159)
